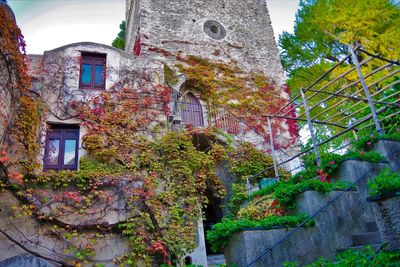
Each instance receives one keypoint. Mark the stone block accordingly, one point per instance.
(360, 171)
(390, 149)
(388, 220)
(25, 261)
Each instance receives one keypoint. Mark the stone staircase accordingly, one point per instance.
(371, 237)
(215, 260)
(344, 220)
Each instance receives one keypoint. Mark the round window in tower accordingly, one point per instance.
(214, 29)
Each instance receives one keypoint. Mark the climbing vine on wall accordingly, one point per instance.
(20, 119)
(117, 121)
(128, 144)
(248, 96)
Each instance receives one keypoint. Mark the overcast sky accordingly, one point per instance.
(48, 24)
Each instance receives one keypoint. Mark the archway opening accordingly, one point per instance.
(212, 214)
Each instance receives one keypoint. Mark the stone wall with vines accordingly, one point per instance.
(139, 183)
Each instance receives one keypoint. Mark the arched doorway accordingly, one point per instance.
(192, 111)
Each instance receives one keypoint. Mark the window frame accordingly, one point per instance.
(61, 133)
(94, 59)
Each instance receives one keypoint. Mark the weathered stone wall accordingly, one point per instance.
(179, 26)
(6, 108)
(7, 84)
(387, 213)
(56, 80)
(50, 241)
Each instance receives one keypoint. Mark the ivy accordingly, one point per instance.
(246, 160)
(170, 76)
(23, 127)
(239, 196)
(176, 178)
(365, 257)
(26, 132)
(248, 96)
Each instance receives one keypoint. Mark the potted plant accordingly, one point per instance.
(384, 191)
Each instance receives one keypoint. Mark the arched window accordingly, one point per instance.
(192, 112)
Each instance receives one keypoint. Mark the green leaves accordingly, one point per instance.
(286, 192)
(219, 236)
(384, 182)
(323, 30)
(119, 41)
(365, 257)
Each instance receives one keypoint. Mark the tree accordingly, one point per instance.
(119, 41)
(324, 29)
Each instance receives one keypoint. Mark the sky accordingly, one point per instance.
(48, 24)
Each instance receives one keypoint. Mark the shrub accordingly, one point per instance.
(331, 163)
(220, 234)
(363, 258)
(285, 192)
(384, 182)
(366, 142)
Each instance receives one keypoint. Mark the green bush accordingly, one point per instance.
(362, 258)
(384, 182)
(220, 234)
(367, 142)
(331, 163)
(287, 191)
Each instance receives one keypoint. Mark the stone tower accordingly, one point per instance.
(217, 30)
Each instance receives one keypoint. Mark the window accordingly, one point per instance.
(93, 70)
(61, 151)
(214, 29)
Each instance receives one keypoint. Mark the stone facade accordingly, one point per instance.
(48, 241)
(55, 76)
(218, 30)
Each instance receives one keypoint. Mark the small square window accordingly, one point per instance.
(61, 152)
(93, 71)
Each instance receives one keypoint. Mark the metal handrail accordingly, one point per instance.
(370, 98)
(315, 214)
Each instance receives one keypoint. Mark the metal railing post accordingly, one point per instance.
(366, 90)
(271, 139)
(310, 126)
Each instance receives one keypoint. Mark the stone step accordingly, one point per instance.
(375, 247)
(372, 227)
(363, 239)
(216, 260)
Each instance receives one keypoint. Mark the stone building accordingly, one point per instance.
(221, 30)
(218, 30)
